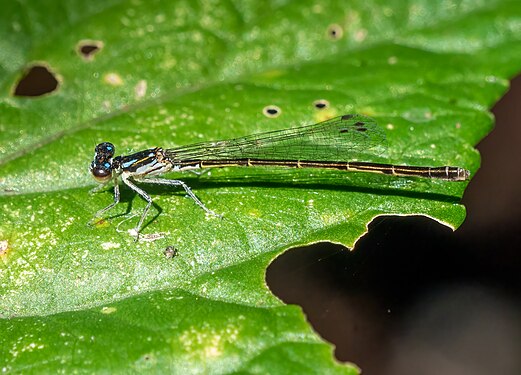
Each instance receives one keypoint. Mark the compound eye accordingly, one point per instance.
(106, 149)
(101, 174)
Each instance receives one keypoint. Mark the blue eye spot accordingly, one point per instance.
(106, 165)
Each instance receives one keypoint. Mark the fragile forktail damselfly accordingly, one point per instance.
(332, 144)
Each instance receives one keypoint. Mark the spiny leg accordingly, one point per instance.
(143, 195)
(163, 181)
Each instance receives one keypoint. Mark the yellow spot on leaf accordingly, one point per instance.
(108, 310)
(113, 79)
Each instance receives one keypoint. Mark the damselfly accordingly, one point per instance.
(338, 143)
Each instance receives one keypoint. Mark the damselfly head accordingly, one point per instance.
(101, 166)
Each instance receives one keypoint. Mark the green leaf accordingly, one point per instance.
(75, 297)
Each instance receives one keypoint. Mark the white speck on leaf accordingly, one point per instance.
(141, 89)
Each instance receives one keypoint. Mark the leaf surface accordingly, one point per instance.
(88, 298)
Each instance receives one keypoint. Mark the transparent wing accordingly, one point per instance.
(345, 138)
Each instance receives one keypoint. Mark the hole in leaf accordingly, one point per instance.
(87, 49)
(37, 80)
(335, 31)
(321, 104)
(271, 111)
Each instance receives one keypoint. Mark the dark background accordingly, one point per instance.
(414, 297)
